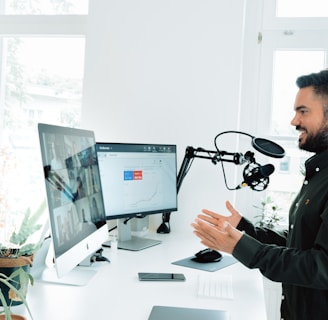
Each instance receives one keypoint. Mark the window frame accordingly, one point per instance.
(34, 26)
(272, 22)
(37, 26)
(276, 33)
(264, 32)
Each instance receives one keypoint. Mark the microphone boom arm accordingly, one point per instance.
(264, 146)
(215, 157)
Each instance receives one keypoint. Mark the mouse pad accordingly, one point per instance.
(208, 266)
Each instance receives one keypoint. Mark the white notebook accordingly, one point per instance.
(217, 286)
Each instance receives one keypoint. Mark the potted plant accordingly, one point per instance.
(269, 216)
(15, 287)
(19, 236)
(16, 258)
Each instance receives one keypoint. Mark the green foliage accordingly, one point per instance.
(19, 238)
(18, 287)
(269, 216)
(28, 227)
(18, 281)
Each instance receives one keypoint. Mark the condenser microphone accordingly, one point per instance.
(257, 178)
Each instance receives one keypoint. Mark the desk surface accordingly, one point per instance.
(116, 293)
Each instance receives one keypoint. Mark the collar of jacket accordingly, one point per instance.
(315, 164)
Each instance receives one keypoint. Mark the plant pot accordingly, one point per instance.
(7, 267)
(13, 317)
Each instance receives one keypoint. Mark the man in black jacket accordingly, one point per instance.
(297, 257)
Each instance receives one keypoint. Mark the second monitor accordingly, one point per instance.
(137, 180)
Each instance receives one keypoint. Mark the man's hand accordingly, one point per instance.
(217, 219)
(217, 231)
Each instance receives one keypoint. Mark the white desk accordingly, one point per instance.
(115, 293)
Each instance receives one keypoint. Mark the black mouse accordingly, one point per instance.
(207, 255)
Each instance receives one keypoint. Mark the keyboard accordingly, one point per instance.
(215, 286)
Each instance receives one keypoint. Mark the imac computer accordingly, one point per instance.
(75, 201)
(137, 180)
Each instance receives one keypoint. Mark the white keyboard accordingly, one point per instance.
(215, 286)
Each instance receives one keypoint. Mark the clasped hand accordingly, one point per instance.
(217, 231)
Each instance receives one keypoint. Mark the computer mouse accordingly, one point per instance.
(207, 255)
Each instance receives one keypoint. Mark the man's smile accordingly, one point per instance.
(302, 132)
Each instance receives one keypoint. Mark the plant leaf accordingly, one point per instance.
(22, 274)
(29, 225)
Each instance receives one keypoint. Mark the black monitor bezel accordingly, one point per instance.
(144, 213)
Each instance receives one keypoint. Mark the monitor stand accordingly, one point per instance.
(79, 276)
(128, 242)
(42, 272)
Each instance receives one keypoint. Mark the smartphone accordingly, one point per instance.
(143, 276)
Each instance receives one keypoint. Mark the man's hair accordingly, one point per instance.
(319, 82)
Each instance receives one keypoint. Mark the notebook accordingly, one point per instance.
(178, 313)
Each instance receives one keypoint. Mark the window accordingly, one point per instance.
(293, 44)
(41, 74)
(288, 64)
(44, 7)
(302, 8)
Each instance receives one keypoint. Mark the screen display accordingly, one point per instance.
(137, 179)
(73, 185)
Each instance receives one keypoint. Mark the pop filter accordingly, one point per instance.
(268, 148)
(265, 146)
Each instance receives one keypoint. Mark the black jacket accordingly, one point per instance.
(298, 257)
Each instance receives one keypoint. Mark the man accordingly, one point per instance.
(297, 257)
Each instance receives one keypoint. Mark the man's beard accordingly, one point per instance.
(317, 142)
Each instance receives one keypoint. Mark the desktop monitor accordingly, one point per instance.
(137, 180)
(76, 207)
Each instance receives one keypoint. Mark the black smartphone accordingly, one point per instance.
(152, 276)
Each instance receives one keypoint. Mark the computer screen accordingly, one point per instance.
(75, 201)
(137, 180)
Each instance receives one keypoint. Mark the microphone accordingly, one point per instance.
(257, 178)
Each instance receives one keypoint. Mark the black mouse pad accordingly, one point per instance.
(208, 266)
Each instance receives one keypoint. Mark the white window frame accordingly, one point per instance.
(264, 33)
(281, 40)
(34, 25)
(271, 22)
(45, 26)
(40, 25)
(284, 34)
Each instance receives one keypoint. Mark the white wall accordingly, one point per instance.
(168, 71)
